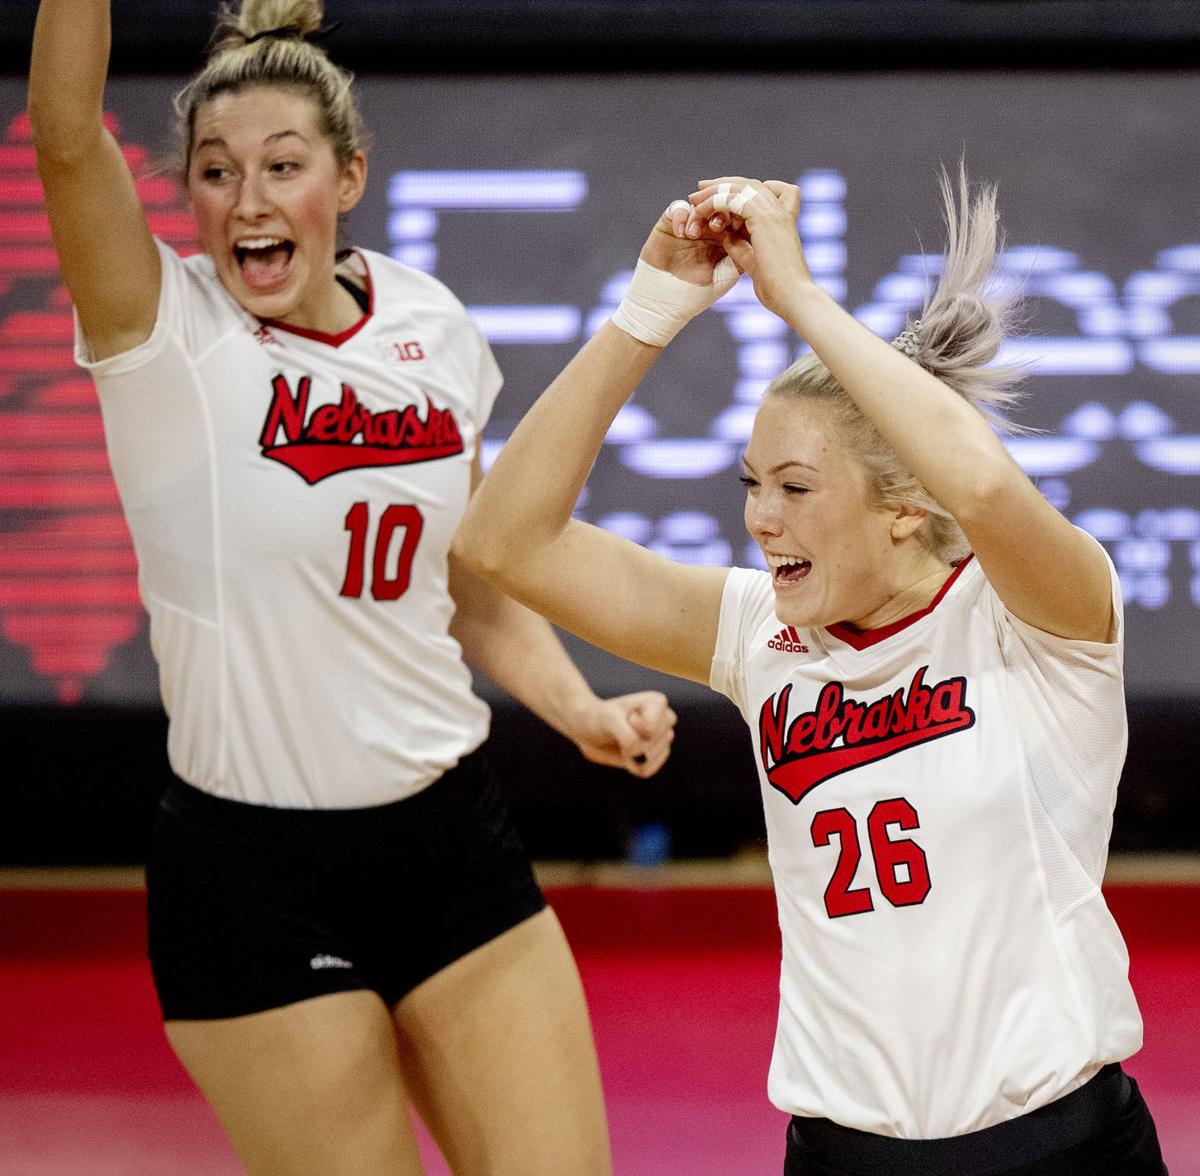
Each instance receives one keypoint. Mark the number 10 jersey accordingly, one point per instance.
(291, 498)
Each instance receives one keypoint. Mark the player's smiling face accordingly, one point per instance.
(266, 190)
(830, 547)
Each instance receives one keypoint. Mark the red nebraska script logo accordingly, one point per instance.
(842, 734)
(346, 436)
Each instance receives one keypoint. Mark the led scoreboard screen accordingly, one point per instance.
(530, 198)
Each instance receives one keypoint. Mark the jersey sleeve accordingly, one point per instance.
(746, 602)
(192, 315)
(1069, 699)
(478, 371)
(488, 381)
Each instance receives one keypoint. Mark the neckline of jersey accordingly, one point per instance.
(865, 638)
(342, 336)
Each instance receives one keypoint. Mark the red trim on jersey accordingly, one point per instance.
(322, 336)
(865, 638)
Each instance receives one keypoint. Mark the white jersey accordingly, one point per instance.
(938, 799)
(291, 498)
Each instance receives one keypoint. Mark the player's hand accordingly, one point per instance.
(683, 245)
(762, 239)
(632, 731)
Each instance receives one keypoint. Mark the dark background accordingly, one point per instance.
(1085, 113)
(503, 36)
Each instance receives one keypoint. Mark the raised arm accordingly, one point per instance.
(518, 531)
(107, 255)
(1047, 572)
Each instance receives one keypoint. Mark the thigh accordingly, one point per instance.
(498, 1057)
(313, 1087)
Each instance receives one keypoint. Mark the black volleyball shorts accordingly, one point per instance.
(253, 908)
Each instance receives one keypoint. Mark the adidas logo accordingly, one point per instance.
(328, 961)
(787, 640)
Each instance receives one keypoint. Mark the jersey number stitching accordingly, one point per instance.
(901, 867)
(388, 581)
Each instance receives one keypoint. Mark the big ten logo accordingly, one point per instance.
(404, 352)
(68, 580)
(1119, 325)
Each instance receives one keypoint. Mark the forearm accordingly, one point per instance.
(529, 493)
(922, 418)
(67, 73)
(520, 652)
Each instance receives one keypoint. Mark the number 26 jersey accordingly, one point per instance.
(938, 797)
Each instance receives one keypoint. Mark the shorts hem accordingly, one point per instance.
(209, 1010)
(514, 915)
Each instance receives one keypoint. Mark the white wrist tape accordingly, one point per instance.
(658, 305)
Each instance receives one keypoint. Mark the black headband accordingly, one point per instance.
(293, 32)
(285, 32)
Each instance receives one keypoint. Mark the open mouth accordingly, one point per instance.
(788, 569)
(263, 261)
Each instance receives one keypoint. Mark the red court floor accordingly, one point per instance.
(681, 984)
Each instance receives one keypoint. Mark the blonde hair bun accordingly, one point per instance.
(238, 26)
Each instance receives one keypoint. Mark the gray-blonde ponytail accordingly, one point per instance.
(956, 338)
(967, 318)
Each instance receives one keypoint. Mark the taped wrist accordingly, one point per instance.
(658, 305)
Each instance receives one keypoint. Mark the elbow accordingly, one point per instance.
(503, 542)
(58, 143)
(471, 548)
(987, 490)
(46, 136)
(507, 559)
(45, 123)
(67, 129)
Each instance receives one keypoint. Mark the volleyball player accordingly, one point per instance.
(931, 670)
(341, 916)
